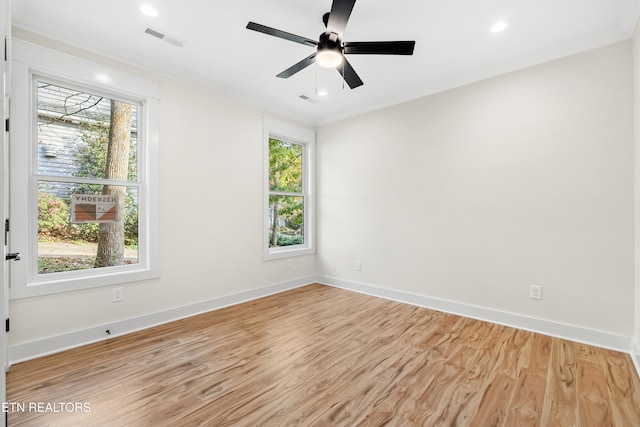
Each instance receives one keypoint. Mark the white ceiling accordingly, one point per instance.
(453, 43)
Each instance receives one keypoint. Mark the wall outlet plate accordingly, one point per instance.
(117, 294)
(535, 292)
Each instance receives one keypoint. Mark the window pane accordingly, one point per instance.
(74, 133)
(106, 222)
(285, 166)
(286, 221)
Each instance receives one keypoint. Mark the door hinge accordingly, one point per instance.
(6, 125)
(6, 231)
(7, 325)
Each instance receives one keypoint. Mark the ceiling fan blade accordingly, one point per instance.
(298, 67)
(339, 16)
(349, 74)
(281, 34)
(380, 48)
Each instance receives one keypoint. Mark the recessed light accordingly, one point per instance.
(322, 92)
(103, 78)
(499, 26)
(149, 10)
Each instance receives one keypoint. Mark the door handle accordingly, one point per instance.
(14, 256)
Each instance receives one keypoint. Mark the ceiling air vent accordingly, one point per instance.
(164, 37)
(154, 33)
(306, 98)
(173, 41)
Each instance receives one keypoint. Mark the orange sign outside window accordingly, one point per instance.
(94, 208)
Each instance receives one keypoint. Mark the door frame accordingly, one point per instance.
(5, 25)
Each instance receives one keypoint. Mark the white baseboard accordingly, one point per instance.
(42, 347)
(574, 333)
(31, 350)
(635, 355)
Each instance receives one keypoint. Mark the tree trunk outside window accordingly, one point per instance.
(111, 236)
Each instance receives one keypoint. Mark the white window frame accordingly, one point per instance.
(278, 129)
(28, 62)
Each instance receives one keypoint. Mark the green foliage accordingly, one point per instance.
(91, 157)
(53, 217)
(131, 225)
(55, 265)
(53, 221)
(285, 166)
(284, 240)
(86, 232)
(285, 176)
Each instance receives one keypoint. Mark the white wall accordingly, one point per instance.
(473, 194)
(636, 118)
(470, 195)
(211, 160)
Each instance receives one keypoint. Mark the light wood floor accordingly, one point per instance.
(328, 357)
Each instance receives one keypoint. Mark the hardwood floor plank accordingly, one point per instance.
(560, 403)
(527, 402)
(594, 403)
(540, 354)
(441, 401)
(321, 356)
(623, 386)
(587, 353)
(514, 352)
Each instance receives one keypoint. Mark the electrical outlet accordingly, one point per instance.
(535, 292)
(117, 294)
(289, 264)
(358, 265)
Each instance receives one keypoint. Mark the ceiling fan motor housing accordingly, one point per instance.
(329, 41)
(329, 53)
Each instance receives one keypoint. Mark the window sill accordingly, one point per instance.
(66, 283)
(287, 252)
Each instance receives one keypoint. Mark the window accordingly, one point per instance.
(83, 175)
(289, 198)
(86, 174)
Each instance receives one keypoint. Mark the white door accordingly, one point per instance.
(5, 25)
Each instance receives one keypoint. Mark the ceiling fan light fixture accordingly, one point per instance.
(329, 58)
(330, 50)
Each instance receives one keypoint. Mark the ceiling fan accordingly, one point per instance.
(330, 49)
